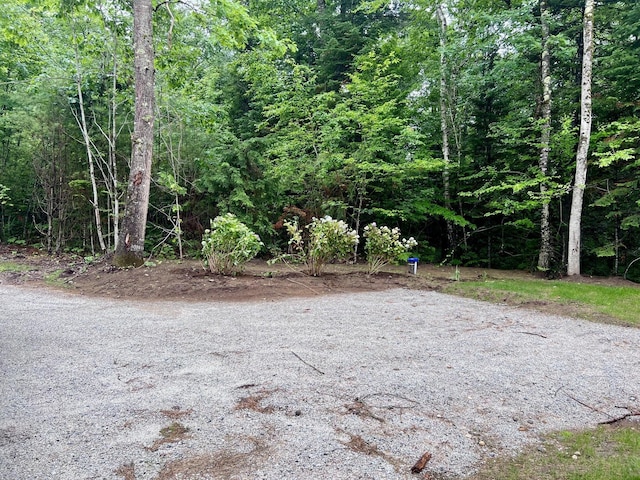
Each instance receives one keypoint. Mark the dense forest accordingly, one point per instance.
(459, 121)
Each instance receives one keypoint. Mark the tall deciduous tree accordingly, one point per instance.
(575, 220)
(442, 23)
(130, 248)
(544, 257)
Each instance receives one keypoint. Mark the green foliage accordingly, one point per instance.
(617, 148)
(170, 183)
(384, 246)
(5, 199)
(263, 105)
(327, 240)
(228, 245)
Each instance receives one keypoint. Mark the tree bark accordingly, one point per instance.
(130, 248)
(442, 23)
(573, 261)
(544, 257)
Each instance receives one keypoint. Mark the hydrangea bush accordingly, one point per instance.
(384, 246)
(328, 240)
(228, 245)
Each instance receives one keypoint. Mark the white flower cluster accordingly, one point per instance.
(409, 243)
(384, 245)
(340, 226)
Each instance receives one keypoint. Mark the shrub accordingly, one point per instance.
(229, 245)
(328, 240)
(384, 246)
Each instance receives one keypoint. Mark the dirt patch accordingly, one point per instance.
(224, 464)
(254, 402)
(173, 433)
(128, 471)
(359, 445)
(188, 280)
(176, 413)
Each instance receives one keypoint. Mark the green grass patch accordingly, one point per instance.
(606, 453)
(54, 278)
(619, 302)
(12, 267)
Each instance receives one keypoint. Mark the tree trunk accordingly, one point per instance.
(82, 121)
(573, 263)
(130, 248)
(113, 136)
(442, 22)
(544, 258)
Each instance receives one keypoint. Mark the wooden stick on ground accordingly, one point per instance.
(420, 464)
(586, 404)
(307, 363)
(632, 413)
(536, 334)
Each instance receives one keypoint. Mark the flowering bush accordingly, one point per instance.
(229, 244)
(328, 240)
(384, 245)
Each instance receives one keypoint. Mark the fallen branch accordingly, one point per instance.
(632, 413)
(536, 334)
(388, 406)
(362, 409)
(307, 363)
(587, 405)
(420, 464)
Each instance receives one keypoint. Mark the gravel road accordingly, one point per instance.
(336, 387)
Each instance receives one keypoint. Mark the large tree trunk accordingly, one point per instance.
(573, 263)
(130, 248)
(442, 22)
(544, 258)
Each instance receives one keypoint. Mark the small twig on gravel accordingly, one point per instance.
(361, 409)
(632, 413)
(307, 363)
(536, 334)
(421, 463)
(388, 406)
(303, 285)
(587, 405)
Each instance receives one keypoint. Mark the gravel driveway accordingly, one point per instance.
(334, 387)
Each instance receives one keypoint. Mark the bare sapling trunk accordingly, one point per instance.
(113, 135)
(82, 123)
(130, 248)
(573, 260)
(442, 22)
(109, 166)
(544, 257)
(92, 174)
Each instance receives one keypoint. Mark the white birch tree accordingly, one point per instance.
(544, 257)
(575, 219)
(442, 23)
